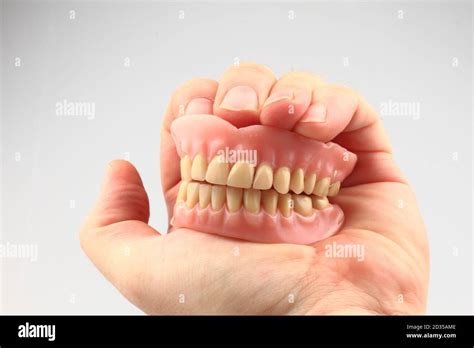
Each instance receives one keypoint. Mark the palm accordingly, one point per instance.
(395, 260)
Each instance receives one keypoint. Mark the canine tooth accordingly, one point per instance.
(241, 175)
(322, 187)
(303, 205)
(204, 195)
(192, 194)
(285, 204)
(217, 171)
(334, 189)
(263, 177)
(309, 182)
(320, 202)
(270, 201)
(234, 198)
(185, 166)
(198, 170)
(281, 182)
(217, 197)
(252, 200)
(297, 181)
(182, 192)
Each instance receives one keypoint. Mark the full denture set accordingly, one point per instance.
(280, 198)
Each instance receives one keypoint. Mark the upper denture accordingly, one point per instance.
(289, 160)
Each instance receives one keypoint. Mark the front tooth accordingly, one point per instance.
(281, 182)
(285, 204)
(303, 205)
(192, 194)
(182, 192)
(263, 177)
(297, 181)
(198, 170)
(322, 187)
(320, 202)
(270, 201)
(252, 200)
(185, 166)
(217, 197)
(234, 198)
(217, 171)
(241, 175)
(309, 182)
(334, 189)
(204, 195)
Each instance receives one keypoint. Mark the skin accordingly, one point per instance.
(189, 272)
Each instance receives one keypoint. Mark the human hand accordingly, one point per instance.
(188, 272)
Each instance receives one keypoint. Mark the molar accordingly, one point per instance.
(322, 187)
(334, 189)
(320, 203)
(303, 205)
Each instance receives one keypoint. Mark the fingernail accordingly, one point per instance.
(199, 106)
(277, 96)
(240, 98)
(315, 113)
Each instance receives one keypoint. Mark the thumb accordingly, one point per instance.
(115, 235)
(122, 197)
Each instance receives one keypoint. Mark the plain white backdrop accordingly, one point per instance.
(125, 59)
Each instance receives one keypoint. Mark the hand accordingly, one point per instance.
(189, 272)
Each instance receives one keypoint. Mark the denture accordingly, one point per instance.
(279, 196)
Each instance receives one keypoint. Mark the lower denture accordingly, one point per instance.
(281, 198)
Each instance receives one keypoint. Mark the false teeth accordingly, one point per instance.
(281, 181)
(241, 175)
(278, 194)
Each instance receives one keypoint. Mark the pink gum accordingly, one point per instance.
(261, 227)
(209, 134)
